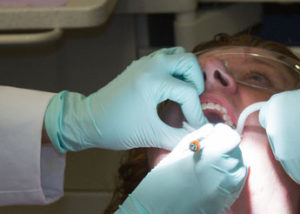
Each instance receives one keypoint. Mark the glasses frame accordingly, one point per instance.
(291, 63)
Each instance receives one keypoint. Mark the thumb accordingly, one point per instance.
(186, 96)
(168, 51)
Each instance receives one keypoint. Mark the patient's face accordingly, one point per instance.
(223, 100)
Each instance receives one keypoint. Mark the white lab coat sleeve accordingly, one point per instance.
(29, 172)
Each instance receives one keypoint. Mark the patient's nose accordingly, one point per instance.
(216, 76)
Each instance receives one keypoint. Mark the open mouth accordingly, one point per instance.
(216, 113)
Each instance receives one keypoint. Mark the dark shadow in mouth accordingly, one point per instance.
(213, 117)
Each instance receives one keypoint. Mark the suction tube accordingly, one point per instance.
(245, 113)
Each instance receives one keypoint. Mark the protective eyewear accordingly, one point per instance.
(254, 67)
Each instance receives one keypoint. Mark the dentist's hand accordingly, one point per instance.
(206, 182)
(123, 115)
(281, 119)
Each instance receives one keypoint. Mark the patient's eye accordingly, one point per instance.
(259, 78)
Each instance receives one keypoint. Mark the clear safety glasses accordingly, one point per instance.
(253, 67)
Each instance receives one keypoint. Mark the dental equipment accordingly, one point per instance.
(196, 145)
(245, 113)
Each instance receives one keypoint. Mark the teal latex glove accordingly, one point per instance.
(206, 182)
(123, 115)
(280, 116)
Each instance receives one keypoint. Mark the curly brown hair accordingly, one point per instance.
(134, 166)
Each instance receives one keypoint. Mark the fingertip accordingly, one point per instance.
(187, 68)
(192, 71)
(200, 119)
(178, 50)
(241, 175)
(173, 50)
(186, 96)
(167, 51)
(195, 73)
(193, 112)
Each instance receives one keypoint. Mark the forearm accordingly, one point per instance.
(24, 162)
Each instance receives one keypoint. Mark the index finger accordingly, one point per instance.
(185, 66)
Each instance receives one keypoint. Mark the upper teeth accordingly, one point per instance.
(219, 108)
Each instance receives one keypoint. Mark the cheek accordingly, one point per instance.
(249, 95)
(155, 155)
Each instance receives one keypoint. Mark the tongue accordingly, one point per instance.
(213, 117)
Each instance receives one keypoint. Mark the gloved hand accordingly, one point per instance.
(208, 181)
(123, 114)
(280, 116)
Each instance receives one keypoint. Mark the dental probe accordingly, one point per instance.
(195, 145)
(245, 113)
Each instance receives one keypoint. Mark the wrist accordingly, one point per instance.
(45, 137)
(53, 121)
(69, 122)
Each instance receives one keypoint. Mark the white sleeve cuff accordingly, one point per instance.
(29, 174)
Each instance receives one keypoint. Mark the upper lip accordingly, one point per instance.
(218, 99)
